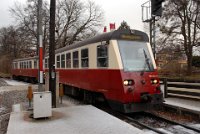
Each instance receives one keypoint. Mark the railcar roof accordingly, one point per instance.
(105, 37)
(28, 58)
(99, 38)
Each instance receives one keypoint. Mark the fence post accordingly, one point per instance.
(165, 88)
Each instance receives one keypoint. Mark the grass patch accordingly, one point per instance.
(4, 75)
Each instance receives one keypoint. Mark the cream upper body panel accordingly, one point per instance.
(114, 58)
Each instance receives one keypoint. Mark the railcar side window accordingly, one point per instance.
(24, 65)
(102, 56)
(68, 60)
(84, 58)
(58, 61)
(27, 64)
(62, 61)
(75, 59)
(35, 64)
(30, 64)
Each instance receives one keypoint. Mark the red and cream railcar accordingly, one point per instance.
(118, 65)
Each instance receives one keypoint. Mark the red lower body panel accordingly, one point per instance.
(109, 82)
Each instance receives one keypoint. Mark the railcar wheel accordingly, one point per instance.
(89, 97)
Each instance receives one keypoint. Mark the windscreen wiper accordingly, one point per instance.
(146, 62)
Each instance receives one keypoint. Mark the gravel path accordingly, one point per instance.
(3, 83)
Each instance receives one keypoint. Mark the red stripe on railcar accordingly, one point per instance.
(25, 72)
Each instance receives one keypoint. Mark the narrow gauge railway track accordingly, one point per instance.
(172, 122)
(130, 120)
(135, 121)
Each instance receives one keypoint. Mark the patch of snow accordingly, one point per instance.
(181, 130)
(196, 126)
(13, 82)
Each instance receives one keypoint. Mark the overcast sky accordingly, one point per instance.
(115, 12)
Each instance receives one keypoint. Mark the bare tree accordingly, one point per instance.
(12, 42)
(180, 26)
(76, 21)
(26, 18)
(124, 25)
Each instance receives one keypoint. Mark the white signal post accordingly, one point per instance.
(39, 25)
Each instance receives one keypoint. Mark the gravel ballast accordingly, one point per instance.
(10, 95)
(3, 83)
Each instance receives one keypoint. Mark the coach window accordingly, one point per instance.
(84, 58)
(102, 56)
(58, 61)
(30, 64)
(62, 61)
(24, 65)
(75, 59)
(16, 65)
(27, 64)
(35, 64)
(68, 60)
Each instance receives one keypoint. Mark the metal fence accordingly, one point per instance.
(185, 89)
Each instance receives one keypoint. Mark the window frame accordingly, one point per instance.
(58, 62)
(62, 62)
(68, 60)
(75, 60)
(101, 57)
(85, 58)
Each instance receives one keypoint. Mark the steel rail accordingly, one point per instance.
(122, 116)
(173, 122)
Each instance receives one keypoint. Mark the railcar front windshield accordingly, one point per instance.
(135, 56)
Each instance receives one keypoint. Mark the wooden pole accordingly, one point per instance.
(52, 72)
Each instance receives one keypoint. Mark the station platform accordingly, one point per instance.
(192, 106)
(81, 119)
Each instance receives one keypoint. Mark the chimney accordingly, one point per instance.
(104, 29)
(112, 26)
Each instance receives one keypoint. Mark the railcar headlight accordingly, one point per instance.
(128, 82)
(154, 81)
